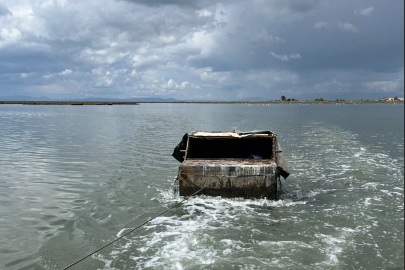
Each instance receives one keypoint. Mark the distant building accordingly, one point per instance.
(392, 99)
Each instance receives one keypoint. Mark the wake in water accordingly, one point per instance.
(336, 180)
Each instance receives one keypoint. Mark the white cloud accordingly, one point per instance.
(139, 60)
(210, 48)
(295, 56)
(285, 57)
(219, 77)
(63, 73)
(347, 27)
(133, 73)
(184, 85)
(66, 72)
(202, 42)
(282, 57)
(264, 37)
(97, 71)
(168, 39)
(171, 84)
(365, 12)
(385, 86)
(204, 13)
(104, 82)
(48, 76)
(321, 24)
(9, 36)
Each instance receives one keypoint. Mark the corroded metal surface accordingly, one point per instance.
(230, 164)
(229, 178)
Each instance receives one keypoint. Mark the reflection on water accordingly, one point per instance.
(72, 178)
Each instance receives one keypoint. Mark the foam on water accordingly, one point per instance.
(186, 238)
(205, 230)
(74, 196)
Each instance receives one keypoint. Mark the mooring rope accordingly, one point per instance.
(292, 196)
(175, 186)
(149, 220)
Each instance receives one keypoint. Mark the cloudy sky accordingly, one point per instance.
(202, 49)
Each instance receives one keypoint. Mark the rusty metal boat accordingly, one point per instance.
(230, 164)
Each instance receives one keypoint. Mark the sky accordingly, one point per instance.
(202, 49)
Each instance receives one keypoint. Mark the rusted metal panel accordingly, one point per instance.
(229, 178)
(230, 164)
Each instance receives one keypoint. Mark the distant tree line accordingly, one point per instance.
(283, 98)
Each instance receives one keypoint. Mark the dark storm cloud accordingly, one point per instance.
(376, 45)
(302, 5)
(320, 48)
(192, 3)
(201, 49)
(181, 3)
(355, 37)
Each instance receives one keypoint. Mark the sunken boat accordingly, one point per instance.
(230, 164)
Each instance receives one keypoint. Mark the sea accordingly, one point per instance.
(74, 178)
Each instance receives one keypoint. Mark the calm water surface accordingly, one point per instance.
(72, 178)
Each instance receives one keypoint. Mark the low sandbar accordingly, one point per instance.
(71, 102)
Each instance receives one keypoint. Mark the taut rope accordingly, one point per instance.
(149, 220)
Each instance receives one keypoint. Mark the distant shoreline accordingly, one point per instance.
(70, 102)
(276, 102)
(192, 102)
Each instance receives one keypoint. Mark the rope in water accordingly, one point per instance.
(292, 196)
(149, 220)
